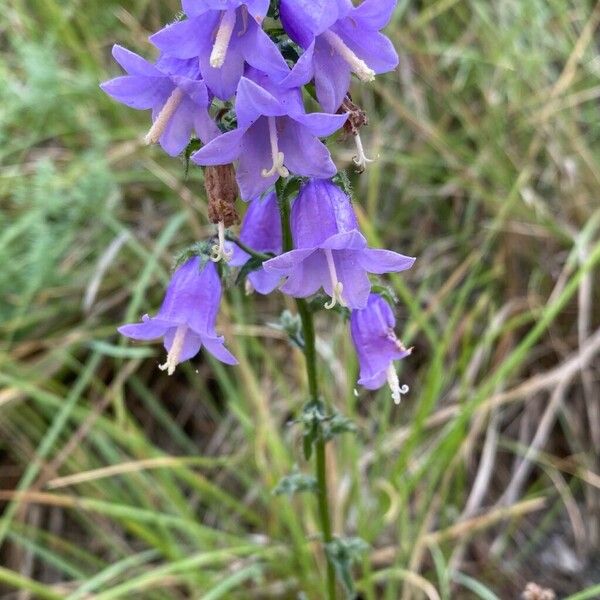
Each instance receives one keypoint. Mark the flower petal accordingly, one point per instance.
(348, 240)
(141, 93)
(253, 101)
(303, 70)
(261, 227)
(257, 8)
(255, 155)
(286, 262)
(187, 39)
(375, 380)
(259, 51)
(384, 261)
(178, 130)
(191, 344)
(372, 47)
(223, 81)
(332, 76)
(321, 124)
(134, 64)
(193, 296)
(196, 90)
(305, 19)
(373, 14)
(304, 153)
(222, 150)
(264, 282)
(149, 329)
(357, 286)
(307, 276)
(216, 346)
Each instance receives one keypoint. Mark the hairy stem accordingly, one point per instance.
(310, 355)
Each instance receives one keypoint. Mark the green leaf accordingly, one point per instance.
(295, 483)
(343, 553)
(291, 324)
(338, 424)
(480, 590)
(107, 349)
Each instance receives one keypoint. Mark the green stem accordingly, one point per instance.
(253, 253)
(310, 355)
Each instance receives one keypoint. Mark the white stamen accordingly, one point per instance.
(360, 160)
(337, 287)
(164, 116)
(394, 383)
(359, 67)
(221, 45)
(175, 351)
(219, 250)
(277, 156)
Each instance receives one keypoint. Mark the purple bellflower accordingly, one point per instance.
(275, 136)
(261, 231)
(223, 35)
(187, 318)
(330, 250)
(173, 90)
(344, 40)
(377, 347)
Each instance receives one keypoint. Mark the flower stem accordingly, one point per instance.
(310, 355)
(250, 251)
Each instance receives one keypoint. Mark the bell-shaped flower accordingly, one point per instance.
(261, 231)
(275, 136)
(187, 318)
(222, 35)
(174, 92)
(344, 39)
(377, 347)
(330, 252)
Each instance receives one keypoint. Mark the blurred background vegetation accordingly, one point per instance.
(117, 481)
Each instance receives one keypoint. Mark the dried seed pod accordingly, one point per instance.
(222, 192)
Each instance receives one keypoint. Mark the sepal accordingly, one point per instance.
(201, 249)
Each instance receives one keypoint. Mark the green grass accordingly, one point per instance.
(121, 482)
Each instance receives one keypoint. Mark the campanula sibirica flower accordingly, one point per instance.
(223, 36)
(172, 89)
(187, 317)
(330, 252)
(274, 136)
(377, 347)
(344, 39)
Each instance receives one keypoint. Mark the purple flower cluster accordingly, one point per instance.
(220, 50)
(219, 60)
